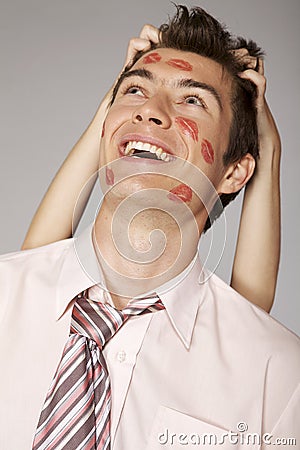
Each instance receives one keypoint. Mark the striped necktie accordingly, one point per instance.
(76, 412)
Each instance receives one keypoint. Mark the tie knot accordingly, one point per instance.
(95, 320)
(100, 321)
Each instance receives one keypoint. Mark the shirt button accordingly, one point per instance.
(121, 356)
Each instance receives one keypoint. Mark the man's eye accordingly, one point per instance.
(134, 90)
(195, 100)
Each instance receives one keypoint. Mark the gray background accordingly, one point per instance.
(59, 57)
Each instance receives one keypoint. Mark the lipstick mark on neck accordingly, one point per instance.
(151, 58)
(180, 193)
(187, 127)
(207, 151)
(180, 64)
(110, 177)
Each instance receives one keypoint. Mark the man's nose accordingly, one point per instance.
(155, 111)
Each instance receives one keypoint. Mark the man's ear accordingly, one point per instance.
(237, 175)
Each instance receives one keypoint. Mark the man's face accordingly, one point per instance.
(170, 104)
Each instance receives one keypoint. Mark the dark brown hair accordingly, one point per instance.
(197, 31)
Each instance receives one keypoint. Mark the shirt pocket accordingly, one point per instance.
(174, 430)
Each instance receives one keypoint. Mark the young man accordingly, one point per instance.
(190, 356)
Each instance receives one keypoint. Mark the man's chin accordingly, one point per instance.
(140, 187)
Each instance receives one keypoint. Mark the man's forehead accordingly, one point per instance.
(174, 58)
(183, 60)
(186, 62)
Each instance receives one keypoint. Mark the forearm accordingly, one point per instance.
(56, 217)
(256, 260)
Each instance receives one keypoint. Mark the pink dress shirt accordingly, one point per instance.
(208, 363)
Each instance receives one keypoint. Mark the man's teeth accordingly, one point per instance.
(146, 147)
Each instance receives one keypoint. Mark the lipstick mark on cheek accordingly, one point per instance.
(207, 151)
(188, 127)
(103, 130)
(180, 64)
(180, 193)
(109, 175)
(151, 58)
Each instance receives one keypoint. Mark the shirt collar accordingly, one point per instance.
(181, 296)
(80, 270)
(183, 300)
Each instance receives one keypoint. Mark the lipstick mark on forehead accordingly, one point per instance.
(180, 193)
(180, 64)
(151, 58)
(207, 151)
(109, 175)
(187, 127)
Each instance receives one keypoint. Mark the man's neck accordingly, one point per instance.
(137, 258)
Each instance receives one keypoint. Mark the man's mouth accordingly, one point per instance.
(140, 149)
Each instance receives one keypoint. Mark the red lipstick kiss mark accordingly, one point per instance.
(188, 127)
(151, 58)
(181, 193)
(109, 175)
(180, 64)
(207, 151)
(103, 130)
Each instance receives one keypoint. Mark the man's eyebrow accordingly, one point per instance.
(143, 73)
(189, 82)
